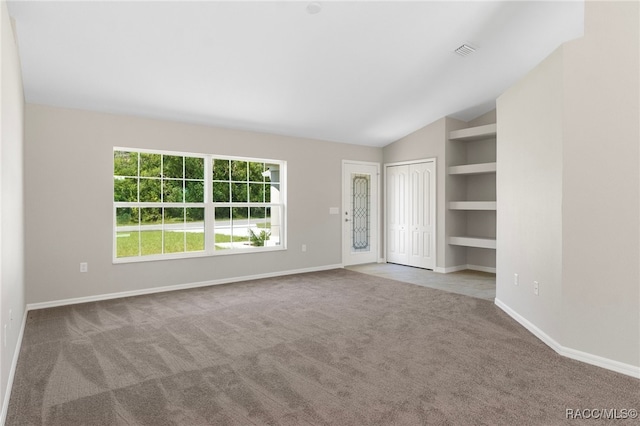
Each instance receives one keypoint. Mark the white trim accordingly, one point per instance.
(450, 269)
(194, 154)
(598, 361)
(405, 163)
(108, 296)
(489, 269)
(12, 371)
(194, 254)
(546, 339)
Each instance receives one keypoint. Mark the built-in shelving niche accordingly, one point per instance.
(474, 208)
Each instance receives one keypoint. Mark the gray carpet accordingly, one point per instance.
(327, 348)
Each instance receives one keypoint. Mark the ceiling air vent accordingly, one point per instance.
(465, 50)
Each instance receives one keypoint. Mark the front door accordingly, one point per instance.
(359, 212)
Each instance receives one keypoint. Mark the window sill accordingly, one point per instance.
(196, 254)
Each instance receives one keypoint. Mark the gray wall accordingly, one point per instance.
(427, 142)
(568, 190)
(601, 185)
(70, 220)
(529, 202)
(487, 118)
(12, 285)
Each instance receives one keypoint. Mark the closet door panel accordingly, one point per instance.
(411, 214)
(422, 214)
(397, 211)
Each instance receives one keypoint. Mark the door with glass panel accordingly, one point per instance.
(360, 213)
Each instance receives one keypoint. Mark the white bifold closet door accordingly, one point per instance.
(411, 214)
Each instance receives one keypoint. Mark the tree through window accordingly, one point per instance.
(162, 208)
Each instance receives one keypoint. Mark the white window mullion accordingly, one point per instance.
(206, 205)
(184, 229)
(184, 209)
(162, 177)
(115, 232)
(139, 232)
(139, 211)
(209, 236)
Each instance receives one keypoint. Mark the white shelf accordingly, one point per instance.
(472, 205)
(473, 133)
(475, 187)
(473, 169)
(489, 243)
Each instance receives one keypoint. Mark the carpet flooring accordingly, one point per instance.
(327, 348)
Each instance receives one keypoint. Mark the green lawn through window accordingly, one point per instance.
(174, 242)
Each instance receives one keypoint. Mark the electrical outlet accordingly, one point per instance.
(515, 279)
(536, 288)
(84, 267)
(304, 247)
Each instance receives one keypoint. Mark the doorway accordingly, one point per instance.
(360, 204)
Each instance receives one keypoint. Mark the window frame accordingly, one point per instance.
(208, 205)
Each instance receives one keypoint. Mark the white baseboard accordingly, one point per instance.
(465, 267)
(108, 296)
(598, 361)
(548, 340)
(12, 371)
(450, 269)
(482, 268)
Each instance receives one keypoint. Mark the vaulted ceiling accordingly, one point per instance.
(356, 72)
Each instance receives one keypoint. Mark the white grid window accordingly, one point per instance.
(172, 205)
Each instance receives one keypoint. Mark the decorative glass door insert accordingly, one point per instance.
(361, 212)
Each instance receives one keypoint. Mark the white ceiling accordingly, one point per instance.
(357, 72)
